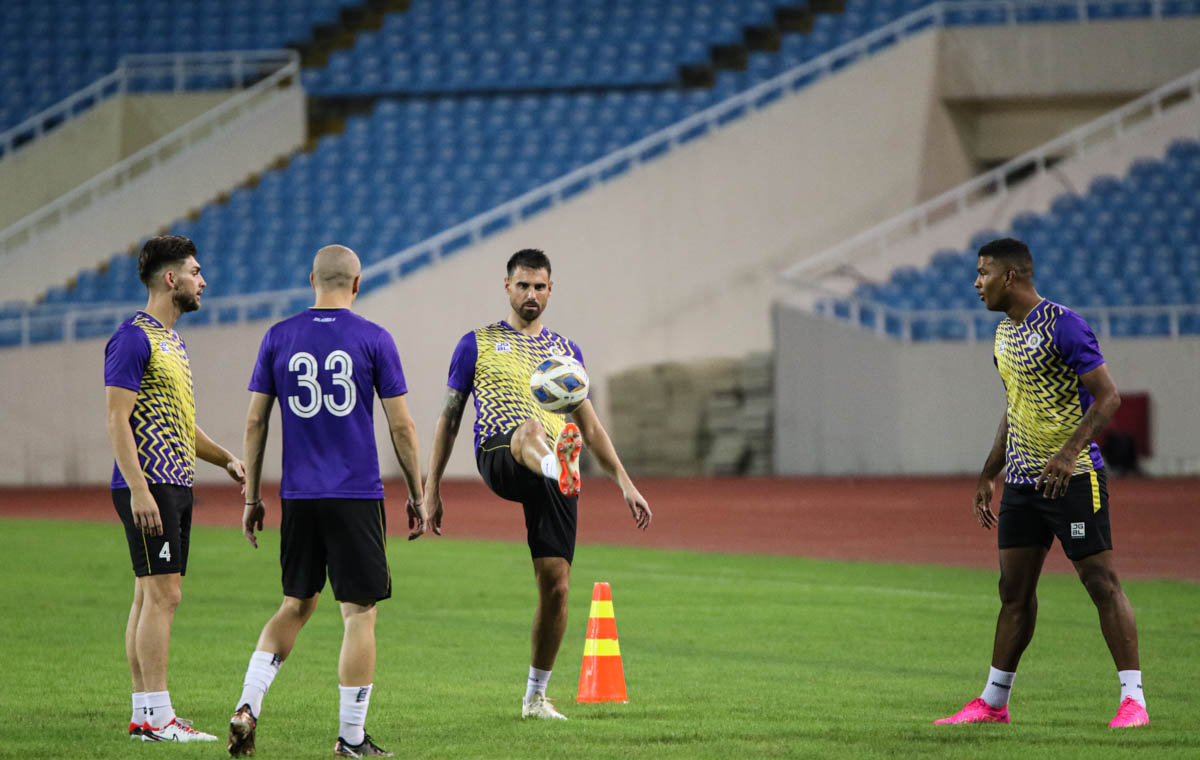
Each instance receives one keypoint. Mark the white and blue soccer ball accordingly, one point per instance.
(559, 384)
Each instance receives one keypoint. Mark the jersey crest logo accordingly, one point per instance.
(503, 347)
(1000, 346)
(165, 347)
(1034, 340)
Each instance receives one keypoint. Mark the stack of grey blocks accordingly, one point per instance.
(710, 416)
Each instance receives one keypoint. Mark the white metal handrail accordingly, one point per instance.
(240, 65)
(904, 320)
(285, 65)
(1118, 124)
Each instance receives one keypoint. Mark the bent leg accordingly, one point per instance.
(529, 446)
(279, 634)
(553, 576)
(1117, 621)
(1020, 569)
(161, 595)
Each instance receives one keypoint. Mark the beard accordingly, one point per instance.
(186, 302)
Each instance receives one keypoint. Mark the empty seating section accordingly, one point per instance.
(476, 103)
(1132, 242)
(51, 48)
(409, 170)
(471, 45)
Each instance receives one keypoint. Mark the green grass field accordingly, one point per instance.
(725, 656)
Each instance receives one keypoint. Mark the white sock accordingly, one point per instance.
(537, 683)
(353, 712)
(550, 466)
(1131, 685)
(999, 684)
(158, 709)
(261, 671)
(139, 708)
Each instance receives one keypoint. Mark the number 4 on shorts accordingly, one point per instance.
(166, 552)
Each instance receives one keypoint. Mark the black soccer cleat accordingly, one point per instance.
(366, 749)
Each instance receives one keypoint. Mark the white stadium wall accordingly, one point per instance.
(214, 161)
(83, 147)
(851, 403)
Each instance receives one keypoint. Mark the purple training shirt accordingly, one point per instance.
(325, 366)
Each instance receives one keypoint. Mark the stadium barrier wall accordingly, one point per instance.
(162, 181)
(849, 402)
(90, 143)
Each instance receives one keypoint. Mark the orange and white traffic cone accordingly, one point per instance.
(602, 678)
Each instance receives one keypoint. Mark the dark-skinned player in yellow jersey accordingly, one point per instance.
(1060, 396)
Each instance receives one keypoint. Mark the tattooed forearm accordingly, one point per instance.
(1094, 421)
(453, 410)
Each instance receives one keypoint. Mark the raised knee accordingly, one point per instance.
(529, 429)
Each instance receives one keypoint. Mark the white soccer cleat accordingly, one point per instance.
(539, 707)
(178, 730)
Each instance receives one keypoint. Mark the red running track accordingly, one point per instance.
(1156, 522)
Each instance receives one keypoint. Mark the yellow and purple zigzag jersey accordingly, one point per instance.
(495, 363)
(144, 356)
(1040, 360)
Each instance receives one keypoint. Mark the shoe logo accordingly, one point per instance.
(1077, 530)
(362, 695)
(1001, 686)
(503, 347)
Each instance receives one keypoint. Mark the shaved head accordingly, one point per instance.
(335, 268)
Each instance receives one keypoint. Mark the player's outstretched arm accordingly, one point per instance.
(214, 453)
(119, 405)
(254, 443)
(443, 443)
(403, 432)
(1056, 475)
(982, 503)
(596, 439)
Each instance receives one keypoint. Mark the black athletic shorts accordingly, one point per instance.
(347, 536)
(551, 519)
(1079, 518)
(165, 553)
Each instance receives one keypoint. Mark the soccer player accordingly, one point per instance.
(326, 364)
(1060, 396)
(513, 440)
(151, 421)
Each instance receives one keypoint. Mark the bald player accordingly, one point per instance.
(326, 364)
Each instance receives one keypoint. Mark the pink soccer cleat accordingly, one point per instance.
(1129, 714)
(976, 711)
(567, 448)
